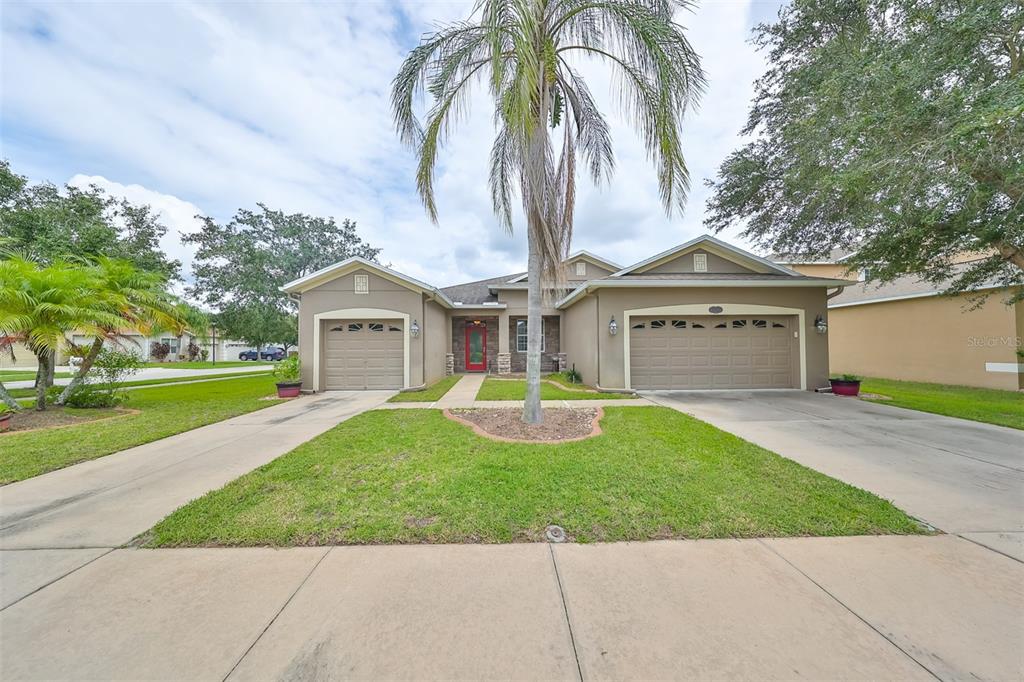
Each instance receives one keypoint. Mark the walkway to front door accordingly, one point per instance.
(476, 347)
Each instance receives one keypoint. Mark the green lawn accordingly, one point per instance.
(205, 365)
(164, 412)
(428, 395)
(515, 389)
(1004, 408)
(410, 476)
(31, 392)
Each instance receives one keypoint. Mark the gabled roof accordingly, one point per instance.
(597, 260)
(712, 245)
(341, 269)
(476, 293)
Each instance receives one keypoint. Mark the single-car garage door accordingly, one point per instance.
(363, 354)
(711, 352)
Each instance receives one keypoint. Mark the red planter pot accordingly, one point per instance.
(839, 387)
(289, 390)
(5, 421)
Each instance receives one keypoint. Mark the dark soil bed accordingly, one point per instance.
(30, 419)
(505, 423)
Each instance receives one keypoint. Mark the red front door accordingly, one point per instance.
(476, 347)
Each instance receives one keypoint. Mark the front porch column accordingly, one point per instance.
(504, 358)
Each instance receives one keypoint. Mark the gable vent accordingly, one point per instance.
(700, 262)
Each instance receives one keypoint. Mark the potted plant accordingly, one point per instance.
(846, 384)
(5, 417)
(288, 373)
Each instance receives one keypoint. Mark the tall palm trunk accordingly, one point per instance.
(42, 375)
(7, 399)
(531, 407)
(87, 362)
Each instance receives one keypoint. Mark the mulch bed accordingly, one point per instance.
(560, 424)
(30, 419)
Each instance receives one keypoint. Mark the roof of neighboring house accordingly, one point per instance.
(899, 289)
(833, 257)
(478, 292)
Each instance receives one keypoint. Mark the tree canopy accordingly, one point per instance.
(240, 266)
(527, 53)
(48, 223)
(893, 128)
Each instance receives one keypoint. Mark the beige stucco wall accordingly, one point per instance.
(684, 263)
(23, 357)
(611, 369)
(435, 341)
(580, 337)
(830, 270)
(934, 339)
(339, 294)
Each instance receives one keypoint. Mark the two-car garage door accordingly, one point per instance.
(712, 352)
(363, 354)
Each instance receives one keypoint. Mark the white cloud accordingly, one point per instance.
(220, 106)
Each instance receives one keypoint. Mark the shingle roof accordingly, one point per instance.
(697, 276)
(832, 256)
(903, 287)
(475, 293)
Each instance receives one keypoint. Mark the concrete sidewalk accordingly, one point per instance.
(810, 608)
(156, 373)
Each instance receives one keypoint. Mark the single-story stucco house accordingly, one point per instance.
(702, 315)
(908, 330)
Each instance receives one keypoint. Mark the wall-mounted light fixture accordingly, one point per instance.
(414, 330)
(613, 326)
(820, 325)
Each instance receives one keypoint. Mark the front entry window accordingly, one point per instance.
(521, 337)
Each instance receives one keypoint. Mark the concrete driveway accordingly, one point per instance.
(959, 476)
(54, 523)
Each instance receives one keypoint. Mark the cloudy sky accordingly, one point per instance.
(205, 108)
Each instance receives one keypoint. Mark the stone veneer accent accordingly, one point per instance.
(504, 363)
(449, 364)
(549, 361)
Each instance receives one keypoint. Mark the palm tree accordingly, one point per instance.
(525, 50)
(40, 306)
(137, 300)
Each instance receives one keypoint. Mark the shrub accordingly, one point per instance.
(193, 351)
(204, 355)
(288, 370)
(93, 396)
(159, 351)
(573, 376)
(847, 377)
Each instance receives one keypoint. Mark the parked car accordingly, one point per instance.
(249, 355)
(272, 353)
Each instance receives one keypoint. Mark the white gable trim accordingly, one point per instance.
(713, 245)
(586, 255)
(341, 269)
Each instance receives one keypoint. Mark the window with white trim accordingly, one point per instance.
(700, 262)
(362, 284)
(581, 268)
(521, 336)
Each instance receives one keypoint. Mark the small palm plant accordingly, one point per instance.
(524, 51)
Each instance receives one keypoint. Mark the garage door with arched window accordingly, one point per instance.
(363, 354)
(712, 352)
